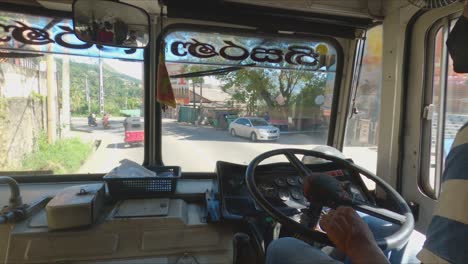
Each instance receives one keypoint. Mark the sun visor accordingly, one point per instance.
(39, 34)
(268, 19)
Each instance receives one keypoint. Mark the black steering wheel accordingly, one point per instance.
(404, 217)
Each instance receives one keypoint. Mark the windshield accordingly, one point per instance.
(63, 103)
(287, 83)
(258, 122)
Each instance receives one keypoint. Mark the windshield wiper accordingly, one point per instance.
(220, 71)
(20, 55)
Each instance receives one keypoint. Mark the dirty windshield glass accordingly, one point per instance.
(63, 103)
(287, 83)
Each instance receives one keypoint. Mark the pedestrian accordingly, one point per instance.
(266, 116)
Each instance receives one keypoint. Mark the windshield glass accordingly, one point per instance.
(285, 82)
(63, 103)
(259, 122)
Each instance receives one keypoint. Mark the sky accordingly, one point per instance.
(130, 68)
(133, 69)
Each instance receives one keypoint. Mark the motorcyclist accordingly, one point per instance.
(92, 120)
(105, 120)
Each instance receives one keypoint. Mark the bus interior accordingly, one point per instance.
(178, 131)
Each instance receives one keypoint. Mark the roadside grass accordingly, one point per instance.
(64, 156)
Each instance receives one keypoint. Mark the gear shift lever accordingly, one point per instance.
(244, 252)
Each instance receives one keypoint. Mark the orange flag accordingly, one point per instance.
(165, 94)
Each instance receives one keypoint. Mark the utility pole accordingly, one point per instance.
(201, 102)
(88, 95)
(51, 100)
(195, 117)
(193, 91)
(126, 97)
(201, 95)
(65, 115)
(101, 86)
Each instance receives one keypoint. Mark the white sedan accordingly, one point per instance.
(254, 128)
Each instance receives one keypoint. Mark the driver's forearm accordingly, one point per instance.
(367, 255)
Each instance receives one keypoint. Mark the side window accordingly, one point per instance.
(446, 108)
(63, 102)
(361, 138)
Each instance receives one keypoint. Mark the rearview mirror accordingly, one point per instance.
(110, 23)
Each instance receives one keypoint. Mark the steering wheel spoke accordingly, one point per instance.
(299, 165)
(381, 213)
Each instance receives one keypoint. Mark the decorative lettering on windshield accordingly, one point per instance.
(175, 48)
(302, 55)
(130, 51)
(283, 55)
(267, 55)
(231, 45)
(201, 50)
(59, 39)
(29, 35)
(53, 35)
(36, 36)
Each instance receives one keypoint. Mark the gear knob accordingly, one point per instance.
(244, 252)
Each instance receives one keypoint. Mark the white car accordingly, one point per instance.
(255, 128)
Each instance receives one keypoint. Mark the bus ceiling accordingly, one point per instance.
(349, 8)
(271, 16)
(338, 18)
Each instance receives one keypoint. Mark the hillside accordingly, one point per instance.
(121, 91)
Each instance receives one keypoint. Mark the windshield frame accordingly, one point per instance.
(245, 31)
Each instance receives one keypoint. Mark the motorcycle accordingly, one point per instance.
(105, 121)
(92, 121)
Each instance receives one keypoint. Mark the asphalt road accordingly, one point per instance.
(112, 148)
(195, 149)
(198, 148)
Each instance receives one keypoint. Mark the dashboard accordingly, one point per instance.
(281, 185)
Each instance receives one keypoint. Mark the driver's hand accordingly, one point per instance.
(352, 236)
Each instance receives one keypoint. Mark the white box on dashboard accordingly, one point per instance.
(75, 206)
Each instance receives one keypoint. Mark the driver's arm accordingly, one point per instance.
(448, 231)
(352, 236)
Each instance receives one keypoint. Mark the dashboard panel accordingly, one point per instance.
(280, 184)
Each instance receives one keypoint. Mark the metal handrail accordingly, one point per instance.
(15, 200)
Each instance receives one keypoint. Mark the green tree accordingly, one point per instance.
(314, 87)
(121, 91)
(275, 89)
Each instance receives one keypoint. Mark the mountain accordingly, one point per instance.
(121, 91)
